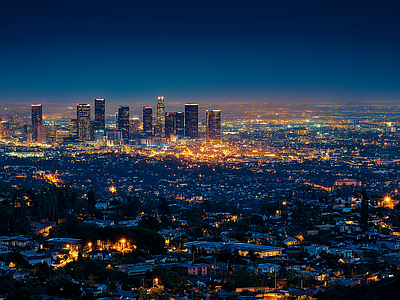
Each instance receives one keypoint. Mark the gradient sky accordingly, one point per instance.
(188, 51)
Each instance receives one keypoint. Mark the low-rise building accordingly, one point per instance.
(136, 269)
(197, 269)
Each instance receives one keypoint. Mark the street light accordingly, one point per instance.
(155, 282)
(387, 200)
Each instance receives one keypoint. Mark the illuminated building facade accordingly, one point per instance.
(51, 134)
(148, 120)
(123, 120)
(213, 125)
(83, 121)
(99, 114)
(169, 123)
(92, 130)
(192, 120)
(160, 127)
(113, 135)
(180, 123)
(62, 136)
(36, 120)
(73, 128)
(134, 127)
(1, 129)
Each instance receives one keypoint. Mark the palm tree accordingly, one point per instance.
(112, 287)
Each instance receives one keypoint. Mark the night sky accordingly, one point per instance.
(131, 52)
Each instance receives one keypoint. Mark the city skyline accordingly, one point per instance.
(225, 51)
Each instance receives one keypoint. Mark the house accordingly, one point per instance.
(100, 223)
(100, 288)
(34, 258)
(294, 266)
(291, 241)
(42, 228)
(343, 253)
(390, 244)
(258, 237)
(103, 254)
(136, 269)
(267, 268)
(315, 250)
(66, 243)
(368, 278)
(129, 223)
(148, 259)
(19, 275)
(169, 234)
(15, 241)
(197, 269)
(313, 232)
(159, 259)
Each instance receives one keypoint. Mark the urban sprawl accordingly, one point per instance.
(247, 201)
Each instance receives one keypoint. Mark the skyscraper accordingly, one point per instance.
(192, 120)
(83, 121)
(73, 129)
(213, 125)
(133, 127)
(99, 114)
(123, 120)
(180, 123)
(36, 120)
(160, 128)
(169, 123)
(92, 130)
(51, 134)
(148, 120)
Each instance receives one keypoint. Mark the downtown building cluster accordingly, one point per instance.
(164, 126)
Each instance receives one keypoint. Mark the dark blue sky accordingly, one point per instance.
(131, 51)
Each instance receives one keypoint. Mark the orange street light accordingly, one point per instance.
(155, 281)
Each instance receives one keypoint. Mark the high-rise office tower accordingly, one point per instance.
(83, 121)
(26, 129)
(73, 129)
(51, 134)
(123, 120)
(133, 127)
(192, 120)
(99, 114)
(148, 120)
(36, 120)
(213, 125)
(169, 123)
(160, 127)
(92, 130)
(180, 123)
